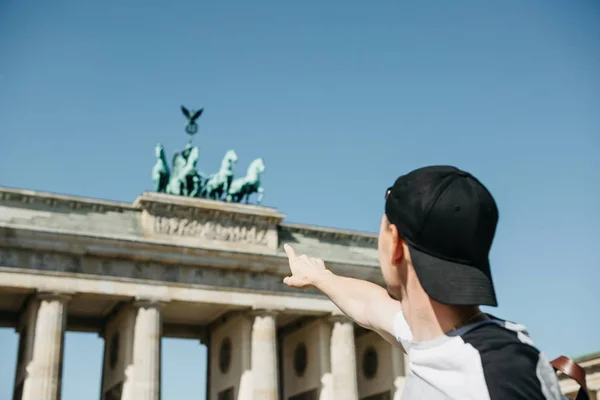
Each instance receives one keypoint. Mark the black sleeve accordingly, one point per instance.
(510, 366)
(511, 372)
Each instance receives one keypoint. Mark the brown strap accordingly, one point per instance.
(573, 371)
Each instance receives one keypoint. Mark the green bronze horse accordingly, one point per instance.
(160, 172)
(241, 188)
(218, 184)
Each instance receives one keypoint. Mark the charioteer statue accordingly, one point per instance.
(183, 179)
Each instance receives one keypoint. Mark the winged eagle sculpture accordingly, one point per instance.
(191, 127)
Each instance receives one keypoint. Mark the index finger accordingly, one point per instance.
(289, 250)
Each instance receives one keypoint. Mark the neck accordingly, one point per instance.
(252, 175)
(429, 319)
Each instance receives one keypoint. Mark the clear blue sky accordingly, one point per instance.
(339, 98)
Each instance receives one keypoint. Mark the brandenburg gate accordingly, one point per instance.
(186, 267)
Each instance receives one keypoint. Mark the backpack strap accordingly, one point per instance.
(574, 371)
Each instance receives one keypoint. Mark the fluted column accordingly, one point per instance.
(264, 355)
(147, 334)
(44, 371)
(343, 359)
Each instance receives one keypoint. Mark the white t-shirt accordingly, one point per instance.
(487, 360)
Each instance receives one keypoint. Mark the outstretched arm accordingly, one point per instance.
(368, 304)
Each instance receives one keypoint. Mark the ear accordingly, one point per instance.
(398, 243)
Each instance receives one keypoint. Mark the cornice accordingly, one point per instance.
(60, 202)
(167, 203)
(334, 235)
(147, 201)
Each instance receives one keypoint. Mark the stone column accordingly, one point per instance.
(327, 390)
(399, 371)
(44, 371)
(264, 355)
(343, 359)
(147, 334)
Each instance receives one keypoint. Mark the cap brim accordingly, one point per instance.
(453, 283)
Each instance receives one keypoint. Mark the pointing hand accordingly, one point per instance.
(305, 270)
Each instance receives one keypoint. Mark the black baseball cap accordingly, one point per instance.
(448, 220)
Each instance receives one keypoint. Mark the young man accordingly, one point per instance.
(434, 241)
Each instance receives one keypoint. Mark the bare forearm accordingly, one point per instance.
(368, 304)
(352, 296)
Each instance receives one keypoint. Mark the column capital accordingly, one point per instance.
(264, 310)
(63, 297)
(148, 302)
(339, 318)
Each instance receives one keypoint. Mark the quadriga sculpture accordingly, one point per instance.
(242, 188)
(182, 178)
(218, 184)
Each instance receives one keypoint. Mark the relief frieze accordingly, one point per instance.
(202, 222)
(209, 229)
